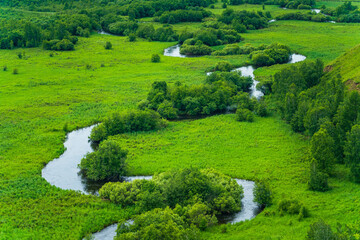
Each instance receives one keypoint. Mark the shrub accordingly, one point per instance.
(155, 58)
(231, 78)
(195, 50)
(15, 71)
(318, 180)
(166, 110)
(132, 37)
(243, 100)
(165, 224)
(262, 59)
(293, 207)
(243, 114)
(98, 133)
(107, 163)
(261, 109)
(5, 68)
(108, 45)
(223, 66)
(320, 230)
(262, 195)
(58, 45)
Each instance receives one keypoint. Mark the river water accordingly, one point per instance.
(62, 172)
(248, 71)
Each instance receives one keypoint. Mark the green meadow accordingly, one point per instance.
(52, 95)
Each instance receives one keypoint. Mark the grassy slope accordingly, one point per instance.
(49, 92)
(348, 66)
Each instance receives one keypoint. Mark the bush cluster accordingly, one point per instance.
(106, 163)
(130, 121)
(182, 15)
(59, 45)
(219, 193)
(216, 95)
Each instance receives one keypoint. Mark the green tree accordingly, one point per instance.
(318, 180)
(32, 35)
(163, 224)
(132, 37)
(322, 151)
(108, 45)
(352, 152)
(243, 114)
(262, 195)
(290, 106)
(314, 117)
(107, 163)
(348, 111)
(155, 58)
(223, 66)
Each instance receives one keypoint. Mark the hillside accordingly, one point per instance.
(348, 66)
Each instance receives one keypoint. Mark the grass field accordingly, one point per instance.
(266, 149)
(74, 88)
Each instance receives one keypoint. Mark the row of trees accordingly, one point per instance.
(33, 32)
(309, 16)
(344, 13)
(322, 108)
(184, 16)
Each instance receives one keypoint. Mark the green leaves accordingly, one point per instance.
(107, 163)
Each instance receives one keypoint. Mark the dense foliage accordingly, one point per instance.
(106, 163)
(185, 187)
(346, 12)
(250, 20)
(297, 4)
(320, 106)
(273, 54)
(352, 152)
(262, 194)
(130, 121)
(184, 201)
(167, 224)
(220, 92)
(304, 17)
(293, 207)
(184, 16)
(57, 32)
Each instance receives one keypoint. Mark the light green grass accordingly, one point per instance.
(347, 66)
(266, 149)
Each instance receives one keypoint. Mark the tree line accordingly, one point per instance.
(321, 107)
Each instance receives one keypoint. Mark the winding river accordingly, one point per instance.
(248, 71)
(63, 172)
